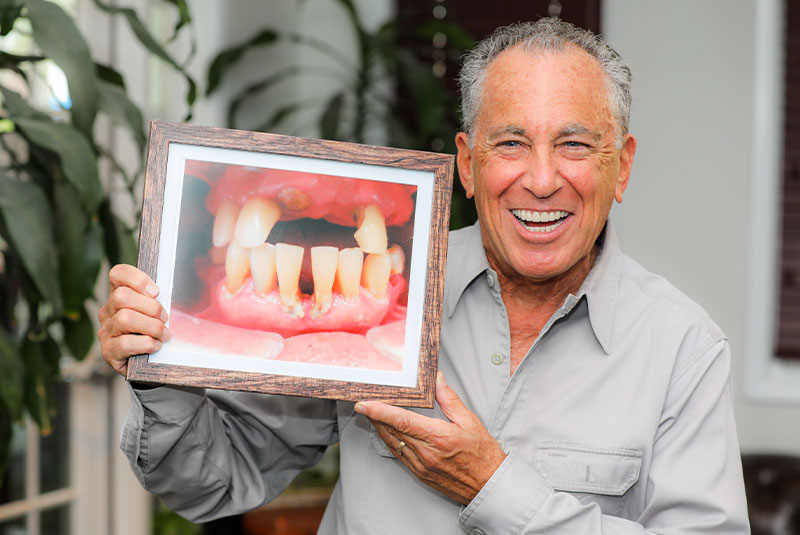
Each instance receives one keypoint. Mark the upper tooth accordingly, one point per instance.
(324, 261)
(371, 233)
(224, 222)
(289, 261)
(237, 266)
(398, 259)
(377, 268)
(536, 217)
(348, 271)
(262, 268)
(256, 219)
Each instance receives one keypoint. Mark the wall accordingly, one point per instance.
(687, 212)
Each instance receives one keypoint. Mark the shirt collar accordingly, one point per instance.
(468, 260)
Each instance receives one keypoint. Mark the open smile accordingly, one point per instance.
(536, 221)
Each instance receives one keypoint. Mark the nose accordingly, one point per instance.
(541, 174)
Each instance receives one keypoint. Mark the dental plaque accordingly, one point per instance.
(293, 266)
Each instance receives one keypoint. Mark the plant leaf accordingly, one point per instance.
(77, 158)
(280, 114)
(9, 11)
(6, 429)
(230, 56)
(331, 117)
(184, 16)
(40, 359)
(16, 106)
(109, 75)
(120, 246)
(149, 42)
(10, 376)
(79, 334)
(59, 38)
(258, 87)
(78, 247)
(26, 213)
(123, 112)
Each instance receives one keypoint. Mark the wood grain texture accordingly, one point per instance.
(440, 165)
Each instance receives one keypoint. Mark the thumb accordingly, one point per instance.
(451, 405)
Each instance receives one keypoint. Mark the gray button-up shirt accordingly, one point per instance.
(619, 420)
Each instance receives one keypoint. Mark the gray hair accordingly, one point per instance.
(549, 35)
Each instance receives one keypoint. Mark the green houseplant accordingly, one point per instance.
(57, 222)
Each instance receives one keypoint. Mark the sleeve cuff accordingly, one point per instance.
(509, 500)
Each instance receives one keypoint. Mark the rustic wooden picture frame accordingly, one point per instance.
(425, 277)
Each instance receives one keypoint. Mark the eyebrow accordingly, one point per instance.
(510, 129)
(579, 129)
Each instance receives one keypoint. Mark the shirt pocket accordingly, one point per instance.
(593, 475)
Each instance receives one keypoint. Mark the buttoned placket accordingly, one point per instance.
(506, 422)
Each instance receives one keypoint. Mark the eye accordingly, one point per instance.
(574, 149)
(509, 143)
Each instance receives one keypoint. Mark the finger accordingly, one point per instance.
(132, 277)
(404, 421)
(452, 406)
(126, 297)
(129, 321)
(119, 349)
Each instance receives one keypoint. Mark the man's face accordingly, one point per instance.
(544, 167)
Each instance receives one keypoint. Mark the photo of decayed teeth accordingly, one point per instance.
(301, 266)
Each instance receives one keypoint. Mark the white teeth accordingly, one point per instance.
(262, 268)
(289, 261)
(237, 266)
(348, 272)
(398, 259)
(547, 228)
(539, 217)
(324, 261)
(375, 277)
(371, 233)
(255, 221)
(224, 222)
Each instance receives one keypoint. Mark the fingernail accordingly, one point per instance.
(439, 377)
(167, 334)
(151, 289)
(360, 407)
(164, 316)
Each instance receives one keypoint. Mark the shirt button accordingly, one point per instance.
(497, 358)
(490, 280)
(477, 531)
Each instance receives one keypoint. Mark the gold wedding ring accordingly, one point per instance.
(400, 448)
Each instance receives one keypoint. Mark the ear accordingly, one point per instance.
(464, 162)
(625, 164)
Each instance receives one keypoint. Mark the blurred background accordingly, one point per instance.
(713, 203)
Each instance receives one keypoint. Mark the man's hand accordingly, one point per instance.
(456, 458)
(132, 321)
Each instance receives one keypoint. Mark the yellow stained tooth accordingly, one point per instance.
(398, 259)
(262, 268)
(371, 233)
(293, 199)
(256, 219)
(324, 261)
(348, 272)
(289, 261)
(375, 277)
(237, 266)
(224, 223)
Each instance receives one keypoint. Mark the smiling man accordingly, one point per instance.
(583, 394)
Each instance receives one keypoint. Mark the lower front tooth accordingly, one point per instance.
(262, 268)
(375, 277)
(289, 261)
(398, 259)
(237, 266)
(324, 261)
(256, 219)
(348, 272)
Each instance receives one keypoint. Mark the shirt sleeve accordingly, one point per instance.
(220, 453)
(695, 482)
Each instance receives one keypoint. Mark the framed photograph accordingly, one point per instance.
(295, 266)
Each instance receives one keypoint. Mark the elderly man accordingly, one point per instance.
(577, 392)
